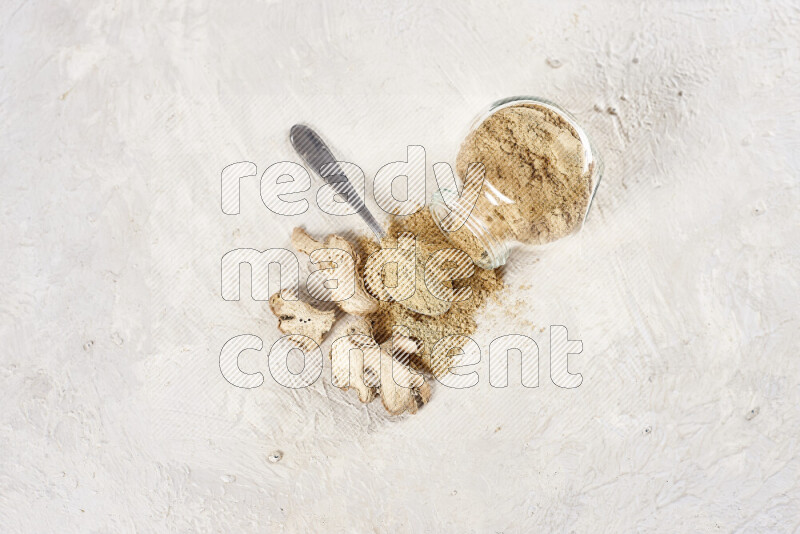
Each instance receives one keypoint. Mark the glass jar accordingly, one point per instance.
(540, 174)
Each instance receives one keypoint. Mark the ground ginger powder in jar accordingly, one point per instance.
(540, 176)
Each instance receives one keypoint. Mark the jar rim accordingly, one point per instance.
(496, 249)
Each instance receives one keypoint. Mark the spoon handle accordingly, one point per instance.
(309, 146)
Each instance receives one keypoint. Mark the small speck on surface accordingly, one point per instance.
(752, 413)
(228, 478)
(611, 110)
(88, 345)
(647, 430)
(275, 457)
(554, 62)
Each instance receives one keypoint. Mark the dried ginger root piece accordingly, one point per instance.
(360, 303)
(355, 369)
(371, 370)
(404, 391)
(302, 319)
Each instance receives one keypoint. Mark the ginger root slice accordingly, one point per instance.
(304, 243)
(402, 391)
(372, 371)
(361, 303)
(354, 360)
(302, 319)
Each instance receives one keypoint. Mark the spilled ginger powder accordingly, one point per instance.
(426, 329)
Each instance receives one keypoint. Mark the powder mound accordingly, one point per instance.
(428, 330)
(421, 300)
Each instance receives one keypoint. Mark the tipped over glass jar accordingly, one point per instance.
(540, 174)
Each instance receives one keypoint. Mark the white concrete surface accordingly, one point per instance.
(117, 118)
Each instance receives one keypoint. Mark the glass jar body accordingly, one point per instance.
(528, 174)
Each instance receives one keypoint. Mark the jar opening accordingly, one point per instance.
(487, 252)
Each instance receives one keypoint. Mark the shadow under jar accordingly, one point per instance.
(540, 174)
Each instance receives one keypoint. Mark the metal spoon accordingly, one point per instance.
(316, 154)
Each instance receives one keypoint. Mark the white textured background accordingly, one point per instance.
(117, 118)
